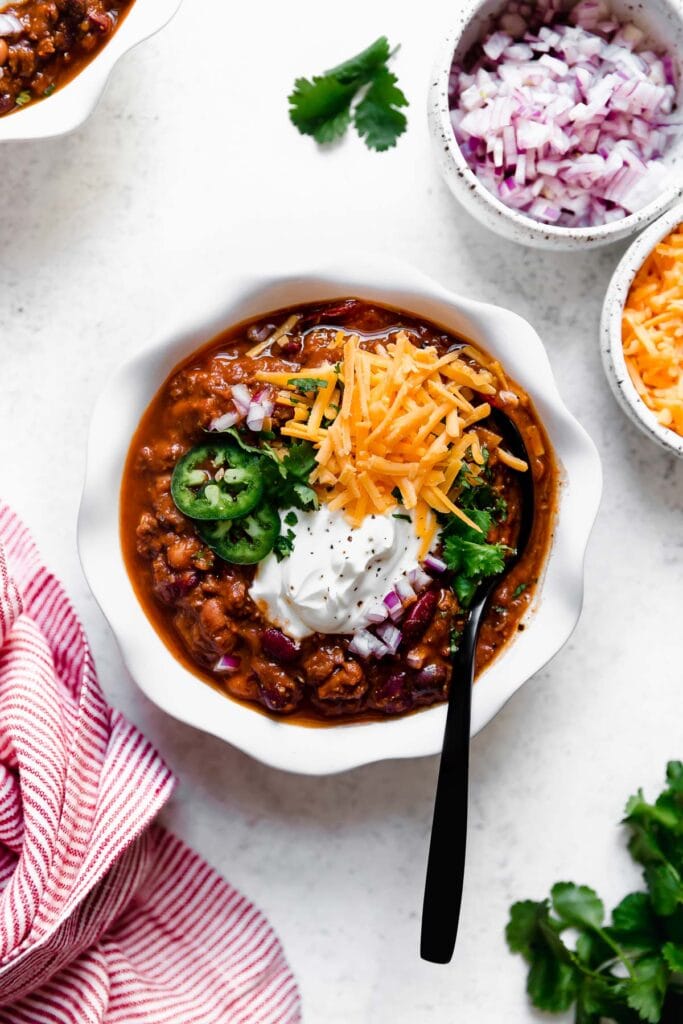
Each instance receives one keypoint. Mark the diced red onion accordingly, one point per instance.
(394, 605)
(255, 416)
(419, 579)
(224, 422)
(241, 396)
(377, 613)
(435, 564)
(227, 663)
(390, 635)
(405, 591)
(367, 645)
(556, 105)
(10, 25)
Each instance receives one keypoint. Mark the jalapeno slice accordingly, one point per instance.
(216, 481)
(245, 540)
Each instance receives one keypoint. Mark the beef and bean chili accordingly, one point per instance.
(199, 510)
(45, 43)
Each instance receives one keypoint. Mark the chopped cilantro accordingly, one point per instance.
(402, 515)
(519, 589)
(284, 545)
(23, 98)
(291, 519)
(469, 555)
(454, 643)
(324, 105)
(50, 89)
(307, 385)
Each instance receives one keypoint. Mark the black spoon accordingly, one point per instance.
(446, 864)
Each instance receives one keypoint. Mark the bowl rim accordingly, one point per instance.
(613, 360)
(71, 105)
(536, 230)
(180, 693)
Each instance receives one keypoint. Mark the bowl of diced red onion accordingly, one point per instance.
(559, 124)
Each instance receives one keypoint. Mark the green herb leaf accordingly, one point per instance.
(645, 993)
(306, 385)
(323, 106)
(377, 117)
(23, 98)
(284, 545)
(519, 590)
(577, 905)
(401, 515)
(291, 519)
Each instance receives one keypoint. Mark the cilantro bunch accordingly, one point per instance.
(627, 971)
(285, 479)
(362, 91)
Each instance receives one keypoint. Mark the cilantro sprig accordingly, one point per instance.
(466, 551)
(630, 970)
(362, 91)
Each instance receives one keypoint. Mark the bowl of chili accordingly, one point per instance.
(206, 478)
(56, 58)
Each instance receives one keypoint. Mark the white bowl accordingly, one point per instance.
(611, 335)
(71, 105)
(278, 742)
(663, 22)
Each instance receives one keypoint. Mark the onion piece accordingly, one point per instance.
(10, 25)
(394, 605)
(390, 635)
(405, 591)
(435, 564)
(241, 396)
(224, 422)
(419, 579)
(227, 663)
(255, 416)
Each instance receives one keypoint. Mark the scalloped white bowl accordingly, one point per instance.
(73, 104)
(277, 742)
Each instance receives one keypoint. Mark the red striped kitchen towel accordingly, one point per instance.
(105, 918)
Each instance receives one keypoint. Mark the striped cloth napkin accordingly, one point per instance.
(105, 918)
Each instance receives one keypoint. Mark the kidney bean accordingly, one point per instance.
(292, 348)
(171, 590)
(420, 615)
(278, 646)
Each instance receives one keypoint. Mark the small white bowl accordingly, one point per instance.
(73, 104)
(663, 22)
(611, 333)
(274, 741)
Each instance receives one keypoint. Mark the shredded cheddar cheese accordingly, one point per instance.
(652, 331)
(393, 420)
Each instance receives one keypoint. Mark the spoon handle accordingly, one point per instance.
(446, 864)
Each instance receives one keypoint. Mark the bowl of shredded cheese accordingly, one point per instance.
(642, 332)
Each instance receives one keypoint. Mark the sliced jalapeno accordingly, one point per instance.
(216, 481)
(245, 540)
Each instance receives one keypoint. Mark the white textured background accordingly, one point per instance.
(189, 160)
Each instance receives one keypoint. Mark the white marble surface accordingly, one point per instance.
(188, 163)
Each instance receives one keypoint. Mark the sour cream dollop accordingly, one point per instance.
(336, 575)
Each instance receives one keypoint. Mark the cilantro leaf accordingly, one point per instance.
(646, 992)
(634, 924)
(322, 107)
(472, 558)
(300, 460)
(307, 385)
(377, 117)
(291, 519)
(284, 545)
(577, 905)
(673, 954)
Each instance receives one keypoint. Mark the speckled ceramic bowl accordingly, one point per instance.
(238, 297)
(611, 336)
(74, 103)
(663, 22)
